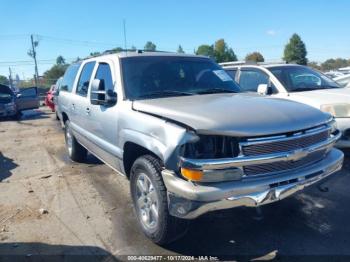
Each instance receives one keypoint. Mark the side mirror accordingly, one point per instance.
(111, 97)
(100, 96)
(264, 89)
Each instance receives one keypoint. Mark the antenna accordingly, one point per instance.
(126, 49)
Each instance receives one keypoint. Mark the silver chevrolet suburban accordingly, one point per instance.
(177, 128)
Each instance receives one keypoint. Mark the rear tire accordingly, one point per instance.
(76, 151)
(158, 225)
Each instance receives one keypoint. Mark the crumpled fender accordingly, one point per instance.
(159, 136)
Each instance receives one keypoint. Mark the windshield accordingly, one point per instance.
(148, 77)
(301, 78)
(5, 94)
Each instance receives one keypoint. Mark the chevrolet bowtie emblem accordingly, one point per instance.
(298, 154)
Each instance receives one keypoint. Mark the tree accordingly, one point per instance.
(223, 53)
(56, 71)
(117, 49)
(180, 50)
(77, 60)
(60, 60)
(295, 51)
(149, 46)
(206, 50)
(133, 48)
(4, 80)
(332, 64)
(95, 53)
(314, 65)
(255, 57)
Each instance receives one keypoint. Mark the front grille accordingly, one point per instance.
(281, 144)
(285, 145)
(281, 166)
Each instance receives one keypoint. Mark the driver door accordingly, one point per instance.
(103, 123)
(28, 99)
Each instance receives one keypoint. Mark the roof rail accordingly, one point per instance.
(111, 51)
(234, 63)
(237, 63)
(139, 51)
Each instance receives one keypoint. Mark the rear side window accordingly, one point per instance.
(69, 77)
(84, 79)
(232, 73)
(250, 79)
(105, 75)
(29, 92)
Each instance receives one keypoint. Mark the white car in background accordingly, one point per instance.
(297, 83)
(343, 80)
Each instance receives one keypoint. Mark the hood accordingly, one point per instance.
(317, 98)
(234, 114)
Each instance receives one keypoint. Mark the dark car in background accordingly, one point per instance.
(13, 103)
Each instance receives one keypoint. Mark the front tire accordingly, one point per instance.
(17, 116)
(76, 151)
(149, 196)
(346, 151)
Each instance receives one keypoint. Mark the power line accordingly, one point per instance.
(14, 36)
(31, 61)
(72, 41)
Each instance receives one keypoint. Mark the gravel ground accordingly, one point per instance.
(50, 206)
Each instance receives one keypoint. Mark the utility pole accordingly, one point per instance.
(10, 78)
(34, 44)
(126, 49)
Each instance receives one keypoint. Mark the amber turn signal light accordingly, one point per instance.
(193, 175)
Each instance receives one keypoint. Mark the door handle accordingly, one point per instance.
(87, 110)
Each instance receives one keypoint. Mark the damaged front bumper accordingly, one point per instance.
(189, 200)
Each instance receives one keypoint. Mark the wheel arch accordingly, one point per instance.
(132, 151)
(64, 118)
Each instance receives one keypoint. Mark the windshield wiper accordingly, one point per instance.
(216, 90)
(165, 93)
(303, 89)
(329, 87)
(313, 88)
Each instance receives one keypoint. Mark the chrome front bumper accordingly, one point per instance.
(189, 200)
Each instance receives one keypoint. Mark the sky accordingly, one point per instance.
(74, 28)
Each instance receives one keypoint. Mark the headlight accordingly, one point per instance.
(337, 110)
(333, 125)
(211, 147)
